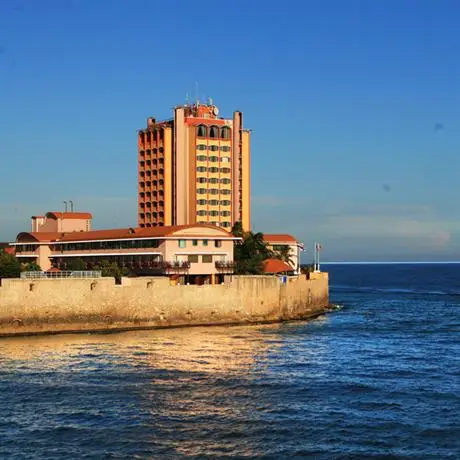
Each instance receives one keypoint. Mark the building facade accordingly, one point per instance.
(194, 169)
(287, 245)
(184, 250)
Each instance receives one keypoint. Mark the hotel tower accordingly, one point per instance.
(194, 168)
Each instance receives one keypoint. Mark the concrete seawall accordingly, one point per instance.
(47, 306)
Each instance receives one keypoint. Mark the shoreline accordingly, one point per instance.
(120, 329)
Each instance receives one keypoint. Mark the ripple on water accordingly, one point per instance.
(375, 379)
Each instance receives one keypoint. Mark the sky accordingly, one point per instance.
(353, 105)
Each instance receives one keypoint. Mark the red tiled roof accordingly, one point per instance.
(118, 233)
(279, 238)
(69, 215)
(276, 266)
(25, 237)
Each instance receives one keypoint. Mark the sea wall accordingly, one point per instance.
(77, 305)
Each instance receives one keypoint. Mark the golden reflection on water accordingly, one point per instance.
(201, 349)
(202, 376)
(210, 349)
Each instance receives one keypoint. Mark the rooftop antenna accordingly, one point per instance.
(71, 205)
(196, 95)
(186, 99)
(65, 205)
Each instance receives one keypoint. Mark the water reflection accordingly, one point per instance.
(192, 392)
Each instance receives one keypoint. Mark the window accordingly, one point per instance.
(213, 180)
(193, 258)
(225, 132)
(225, 181)
(225, 148)
(213, 191)
(182, 243)
(225, 213)
(201, 147)
(207, 259)
(201, 212)
(213, 202)
(217, 243)
(225, 192)
(201, 158)
(226, 224)
(202, 222)
(201, 131)
(214, 132)
(213, 170)
(225, 170)
(194, 242)
(214, 213)
(225, 159)
(205, 242)
(213, 159)
(201, 202)
(201, 180)
(201, 169)
(214, 148)
(201, 191)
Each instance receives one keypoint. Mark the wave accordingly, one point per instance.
(390, 290)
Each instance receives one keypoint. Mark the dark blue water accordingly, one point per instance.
(379, 378)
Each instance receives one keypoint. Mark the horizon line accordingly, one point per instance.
(390, 262)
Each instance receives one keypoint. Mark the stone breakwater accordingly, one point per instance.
(49, 306)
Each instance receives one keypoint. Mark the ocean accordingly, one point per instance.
(377, 378)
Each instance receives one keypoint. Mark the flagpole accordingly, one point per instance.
(314, 263)
(319, 249)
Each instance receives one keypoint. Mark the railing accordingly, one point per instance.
(62, 274)
(225, 265)
(176, 265)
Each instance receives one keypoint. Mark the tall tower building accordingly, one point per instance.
(194, 168)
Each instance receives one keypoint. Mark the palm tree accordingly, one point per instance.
(284, 253)
(250, 252)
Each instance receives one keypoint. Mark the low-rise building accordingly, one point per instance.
(190, 251)
(287, 246)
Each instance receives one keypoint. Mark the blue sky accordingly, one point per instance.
(354, 107)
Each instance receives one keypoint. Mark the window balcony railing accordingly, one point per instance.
(225, 265)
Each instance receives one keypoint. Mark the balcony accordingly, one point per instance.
(225, 266)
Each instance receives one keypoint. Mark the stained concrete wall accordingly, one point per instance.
(64, 305)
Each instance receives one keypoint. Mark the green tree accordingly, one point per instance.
(112, 269)
(31, 267)
(284, 253)
(251, 252)
(307, 268)
(77, 264)
(9, 266)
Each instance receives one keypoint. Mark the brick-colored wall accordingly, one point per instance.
(53, 305)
